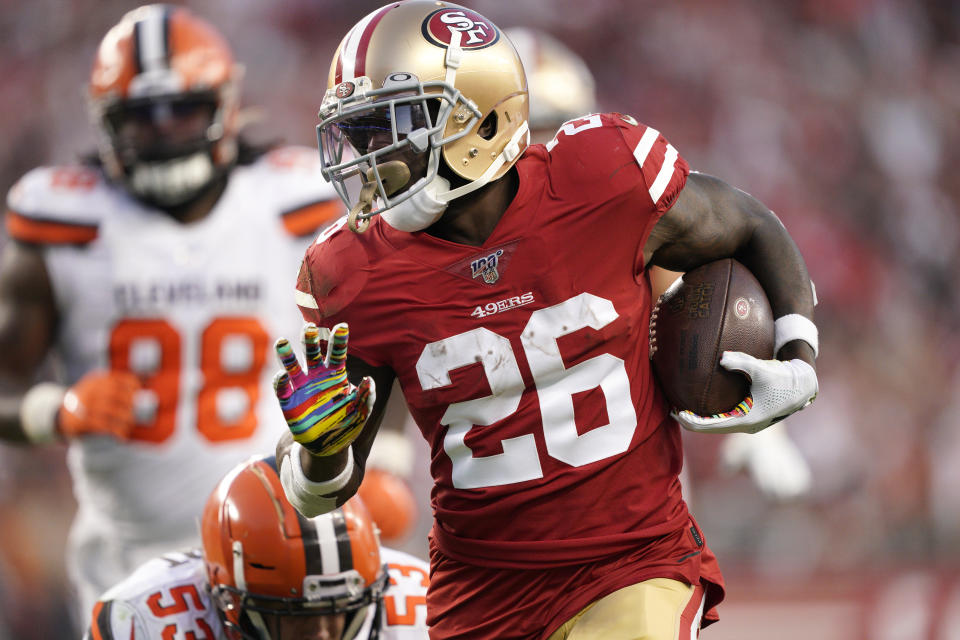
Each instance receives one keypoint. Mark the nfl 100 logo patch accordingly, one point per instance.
(486, 267)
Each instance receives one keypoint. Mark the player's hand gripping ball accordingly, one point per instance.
(325, 413)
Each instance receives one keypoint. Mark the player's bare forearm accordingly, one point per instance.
(775, 260)
(712, 220)
(11, 395)
(27, 325)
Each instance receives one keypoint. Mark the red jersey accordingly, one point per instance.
(525, 361)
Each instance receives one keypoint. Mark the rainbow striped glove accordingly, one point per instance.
(325, 413)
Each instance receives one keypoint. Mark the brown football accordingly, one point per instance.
(716, 307)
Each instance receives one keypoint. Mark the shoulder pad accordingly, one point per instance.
(58, 205)
(624, 142)
(664, 170)
(292, 177)
(335, 269)
(586, 148)
(396, 558)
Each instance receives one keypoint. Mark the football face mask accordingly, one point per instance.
(165, 146)
(389, 138)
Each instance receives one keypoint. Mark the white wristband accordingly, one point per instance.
(38, 412)
(794, 326)
(391, 452)
(307, 496)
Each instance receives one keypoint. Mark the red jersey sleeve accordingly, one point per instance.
(306, 300)
(615, 167)
(334, 273)
(664, 171)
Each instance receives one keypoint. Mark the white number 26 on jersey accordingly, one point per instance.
(555, 384)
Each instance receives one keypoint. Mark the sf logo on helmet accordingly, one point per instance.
(477, 31)
(345, 89)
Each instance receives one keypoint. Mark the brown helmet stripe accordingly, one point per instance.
(343, 540)
(326, 543)
(138, 67)
(311, 547)
(151, 39)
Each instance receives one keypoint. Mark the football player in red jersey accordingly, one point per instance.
(505, 286)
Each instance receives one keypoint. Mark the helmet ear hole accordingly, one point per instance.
(488, 128)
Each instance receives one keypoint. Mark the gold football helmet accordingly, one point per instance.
(411, 83)
(561, 85)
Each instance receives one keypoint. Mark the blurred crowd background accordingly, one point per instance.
(842, 115)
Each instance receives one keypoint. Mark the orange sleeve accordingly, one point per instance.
(36, 231)
(309, 219)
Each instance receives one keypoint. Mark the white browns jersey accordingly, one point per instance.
(192, 309)
(166, 597)
(169, 597)
(405, 601)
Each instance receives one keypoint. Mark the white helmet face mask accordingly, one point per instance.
(409, 87)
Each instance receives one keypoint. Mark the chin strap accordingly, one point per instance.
(394, 175)
(422, 209)
(430, 200)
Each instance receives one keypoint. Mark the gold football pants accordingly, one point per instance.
(657, 609)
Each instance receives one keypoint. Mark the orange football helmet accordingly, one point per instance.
(411, 83)
(265, 559)
(163, 97)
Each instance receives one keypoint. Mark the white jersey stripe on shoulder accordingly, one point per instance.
(153, 43)
(666, 173)
(327, 539)
(305, 299)
(645, 145)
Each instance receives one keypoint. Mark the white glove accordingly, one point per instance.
(771, 458)
(777, 389)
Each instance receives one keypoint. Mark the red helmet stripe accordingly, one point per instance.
(352, 61)
(365, 41)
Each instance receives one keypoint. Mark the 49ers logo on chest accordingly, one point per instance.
(477, 31)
